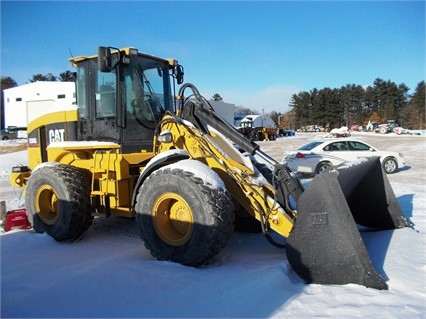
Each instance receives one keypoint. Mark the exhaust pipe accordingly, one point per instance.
(325, 246)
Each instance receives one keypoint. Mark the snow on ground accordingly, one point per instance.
(109, 273)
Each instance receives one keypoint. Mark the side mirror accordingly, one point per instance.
(179, 74)
(104, 59)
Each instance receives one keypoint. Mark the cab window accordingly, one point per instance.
(106, 95)
(357, 146)
(81, 92)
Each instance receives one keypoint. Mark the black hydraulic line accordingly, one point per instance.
(267, 235)
(198, 113)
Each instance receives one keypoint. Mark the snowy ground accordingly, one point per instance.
(109, 273)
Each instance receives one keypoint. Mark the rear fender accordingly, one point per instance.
(160, 160)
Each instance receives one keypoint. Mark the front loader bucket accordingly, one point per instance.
(325, 246)
(370, 196)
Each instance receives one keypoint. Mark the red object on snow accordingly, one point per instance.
(16, 219)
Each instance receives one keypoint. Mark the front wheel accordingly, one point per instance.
(255, 135)
(390, 165)
(183, 218)
(57, 200)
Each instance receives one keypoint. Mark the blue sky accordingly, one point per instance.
(254, 54)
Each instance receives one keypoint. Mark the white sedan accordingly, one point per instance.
(321, 155)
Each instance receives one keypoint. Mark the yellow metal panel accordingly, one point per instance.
(52, 118)
(34, 156)
(118, 192)
(136, 158)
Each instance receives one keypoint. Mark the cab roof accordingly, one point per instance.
(128, 51)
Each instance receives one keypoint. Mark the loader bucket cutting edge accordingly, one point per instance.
(325, 246)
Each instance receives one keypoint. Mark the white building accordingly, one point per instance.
(24, 103)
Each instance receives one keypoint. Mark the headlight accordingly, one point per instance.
(165, 137)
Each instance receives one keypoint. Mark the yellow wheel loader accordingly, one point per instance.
(132, 147)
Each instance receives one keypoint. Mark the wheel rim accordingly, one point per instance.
(322, 169)
(390, 166)
(173, 219)
(47, 204)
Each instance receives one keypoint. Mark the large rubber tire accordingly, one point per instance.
(183, 219)
(390, 165)
(57, 200)
(255, 135)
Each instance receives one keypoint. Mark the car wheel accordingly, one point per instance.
(390, 165)
(323, 167)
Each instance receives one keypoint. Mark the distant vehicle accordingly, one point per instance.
(258, 127)
(357, 128)
(13, 133)
(283, 132)
(312, 128)
(322, 155)
(291, 133)
(388, 127)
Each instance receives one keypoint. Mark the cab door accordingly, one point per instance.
(97, 103)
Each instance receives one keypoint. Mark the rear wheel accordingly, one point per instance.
(57, 199)
(323, 167)
(390, 165)
(182, 218)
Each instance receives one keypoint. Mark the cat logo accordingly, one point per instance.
(56, 135)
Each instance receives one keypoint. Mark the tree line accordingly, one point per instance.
(355, 105)
(351, 105)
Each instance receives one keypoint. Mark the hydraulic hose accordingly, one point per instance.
(199, 113)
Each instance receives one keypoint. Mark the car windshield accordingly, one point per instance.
(309, 146)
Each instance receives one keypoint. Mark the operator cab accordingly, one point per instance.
(122, 95)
